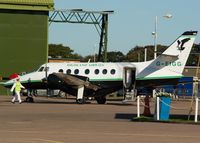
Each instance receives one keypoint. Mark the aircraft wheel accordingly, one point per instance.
(101, 100)
(62, 94)
(29, 99)
(80, 101)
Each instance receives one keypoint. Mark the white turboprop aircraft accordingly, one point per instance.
(99, 79)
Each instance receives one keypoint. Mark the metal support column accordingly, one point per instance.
(102, 56)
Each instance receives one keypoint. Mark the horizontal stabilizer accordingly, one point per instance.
(169, 55)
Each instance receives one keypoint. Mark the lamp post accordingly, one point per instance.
(155, 33)
(155, 38)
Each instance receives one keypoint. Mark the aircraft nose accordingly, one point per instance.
(8, 84)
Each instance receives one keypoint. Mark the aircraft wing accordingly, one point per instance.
(58, 80)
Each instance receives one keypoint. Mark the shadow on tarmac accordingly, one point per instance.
(73, 101)
(125, 116)
(174, 118)
(120, 104)
(53, 102)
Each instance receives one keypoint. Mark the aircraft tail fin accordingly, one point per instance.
(171, 63)
(175, 57)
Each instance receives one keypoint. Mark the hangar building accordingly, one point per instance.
(23, 35)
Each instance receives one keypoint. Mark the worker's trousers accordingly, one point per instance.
(17, 97)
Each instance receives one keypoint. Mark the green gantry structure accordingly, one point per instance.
(23, 35)
(97, 18)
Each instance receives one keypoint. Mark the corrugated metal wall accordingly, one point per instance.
(23, 35)
(23, 40)
(37, 5)
(32, 2)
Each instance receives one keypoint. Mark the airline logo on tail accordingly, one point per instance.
(182, 43)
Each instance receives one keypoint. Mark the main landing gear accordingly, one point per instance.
(101, 99)
(80, 101)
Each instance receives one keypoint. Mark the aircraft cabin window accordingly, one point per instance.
(60, 70)
(41, 69)
(104, 71)
(112, 71)
(96, 71)
(87, 71)
(76, 71)
(68, 71)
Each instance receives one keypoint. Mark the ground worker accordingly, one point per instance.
(17, 86)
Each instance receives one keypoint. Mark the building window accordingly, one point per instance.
(112, 71)
(96, 71)
(68, 71)
(87, 71)
(76, 71)
(104, 71)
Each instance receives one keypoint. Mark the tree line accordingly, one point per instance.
(136, 54)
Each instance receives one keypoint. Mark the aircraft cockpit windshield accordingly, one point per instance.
(41, 69)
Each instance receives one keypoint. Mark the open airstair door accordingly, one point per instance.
(129, 77)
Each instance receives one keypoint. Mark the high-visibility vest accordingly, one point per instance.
(18, 86)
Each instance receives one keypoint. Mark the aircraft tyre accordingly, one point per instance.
(62, 94)
(29, 99)
(80, 101)
(101, 100)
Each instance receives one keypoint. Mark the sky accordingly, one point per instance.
(131, 24)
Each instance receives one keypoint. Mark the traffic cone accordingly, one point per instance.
(147, 111)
